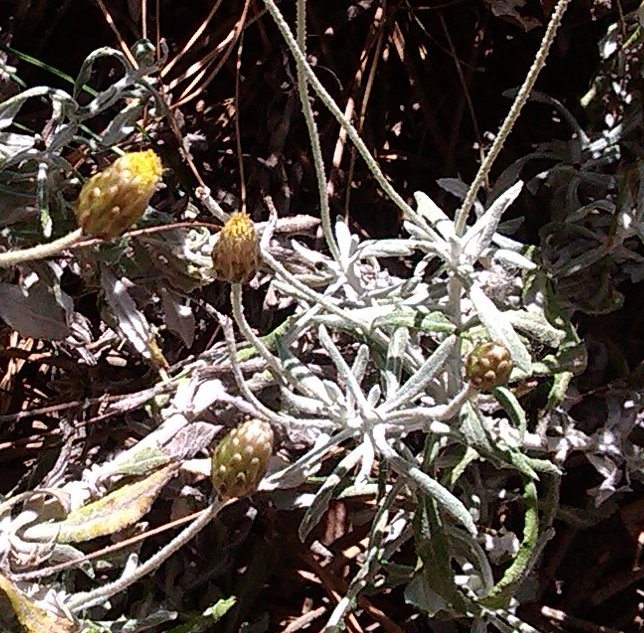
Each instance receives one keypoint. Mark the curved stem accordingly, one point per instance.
(328, 101)
(316, 150)
(249, 335)
(257, 407)
(513, 115)
(40, 251)
(81, 601)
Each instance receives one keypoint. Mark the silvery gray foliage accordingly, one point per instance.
(389, 365)
(368, 370)
(594, 182)
(34, 174)
(368, 360)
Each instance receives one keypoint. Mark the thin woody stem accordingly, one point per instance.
(40, 251)
(82, 601)
(505, 129)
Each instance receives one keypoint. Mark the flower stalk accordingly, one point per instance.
(109, 203)
(507, 125)
(40, 251)
(81, 601)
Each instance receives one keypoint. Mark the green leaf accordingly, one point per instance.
(445, 499)
(500, 328)
(118, 510)
(421, 378)
(143, 461)
(432, 545)
(476, 436)
(512, 407)
(420, 594)
(10, 108)
(535, 325)
(307, 382)
(559, 389)
(391, 316)
(204, 622)
(569, 357)
(469, 455)
(39, 312)
(126, 624)
(32, 618)
(415, 318)
(501, 594)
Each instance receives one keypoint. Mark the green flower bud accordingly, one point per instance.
(114, 199)
(488, 366)
(235, 255)
(240, 459)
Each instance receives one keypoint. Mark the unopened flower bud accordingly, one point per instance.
(240, 459)
(114, 199)
(488, 366)
(235, 255)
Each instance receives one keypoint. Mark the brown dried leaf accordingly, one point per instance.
(37, 313)
(130, 321)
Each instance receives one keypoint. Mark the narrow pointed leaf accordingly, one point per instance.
(500, 328)
(323, 496)
(308, 383)
(118, 510)
(417, 383)
(479, 236)
(434, 215)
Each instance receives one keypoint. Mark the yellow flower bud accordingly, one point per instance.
(488, 366)
(114, 199)
(235, 255)
(240, 459)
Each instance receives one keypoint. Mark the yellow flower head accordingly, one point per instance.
(112, 200)
(235, 256)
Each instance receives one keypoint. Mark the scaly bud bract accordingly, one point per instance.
(488, 366)
(240, 459)
(235, 255)
(112, 200)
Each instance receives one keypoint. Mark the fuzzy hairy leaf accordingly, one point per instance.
(415, 318)
(323, 496)
(479, 236)
(32, 618)
(114, 512)
(500, 328)
(501, 594)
